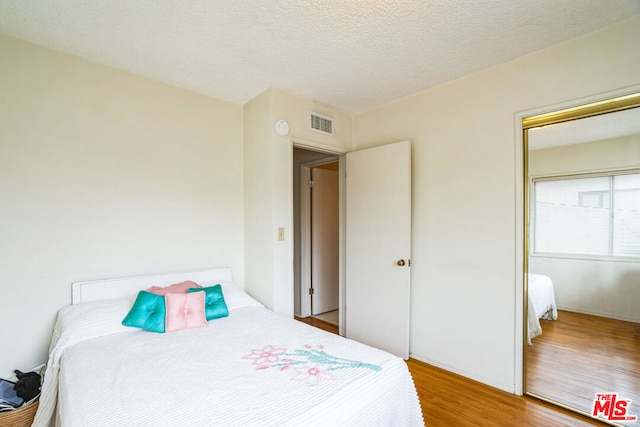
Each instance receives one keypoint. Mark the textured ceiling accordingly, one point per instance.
(351, 54)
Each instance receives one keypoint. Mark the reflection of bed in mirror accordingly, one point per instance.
(541, 303)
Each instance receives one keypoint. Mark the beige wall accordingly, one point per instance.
(602, 287)
(465, 277)
(105, 174)
(259, 235)
(296, 111)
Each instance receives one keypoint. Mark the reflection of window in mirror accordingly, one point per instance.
(587, 216)
(582, 257)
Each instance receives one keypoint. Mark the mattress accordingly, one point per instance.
(253, 367)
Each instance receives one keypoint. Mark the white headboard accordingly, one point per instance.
(129, 286)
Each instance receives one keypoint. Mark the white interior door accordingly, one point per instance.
(325, 249)
(378, 246)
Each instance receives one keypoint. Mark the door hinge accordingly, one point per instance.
(310, 291)
(311, 183)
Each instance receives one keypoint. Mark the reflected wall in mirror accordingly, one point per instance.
(582, 261)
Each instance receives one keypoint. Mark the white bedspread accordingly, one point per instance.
(541, 303)
(251, 368)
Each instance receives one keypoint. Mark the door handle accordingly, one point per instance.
(401, 263)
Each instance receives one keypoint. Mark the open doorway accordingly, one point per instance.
(374, 243)
(316, 236)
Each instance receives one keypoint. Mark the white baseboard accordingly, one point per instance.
(600, 313)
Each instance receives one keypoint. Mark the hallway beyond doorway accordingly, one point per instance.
(329, 317)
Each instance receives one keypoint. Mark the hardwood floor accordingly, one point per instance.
(329, 317)
(451, 400)
(448, 399)
(579, 355)
(319, 324)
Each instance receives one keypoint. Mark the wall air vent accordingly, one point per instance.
(321, 123)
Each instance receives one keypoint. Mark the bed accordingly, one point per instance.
(252, 367)
(541, 304)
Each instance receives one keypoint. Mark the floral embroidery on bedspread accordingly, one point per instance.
(310, 364)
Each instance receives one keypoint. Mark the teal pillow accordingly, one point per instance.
(148, 312)
(214, 304)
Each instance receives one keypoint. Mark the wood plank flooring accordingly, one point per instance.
(448, 399)
(319, 324)
(329, 317)
(579, 355)
(451, 400)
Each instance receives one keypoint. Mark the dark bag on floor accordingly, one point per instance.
(28, 384)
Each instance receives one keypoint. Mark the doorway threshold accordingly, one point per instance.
(329, 317)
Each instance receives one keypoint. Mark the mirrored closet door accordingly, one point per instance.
(582, 258)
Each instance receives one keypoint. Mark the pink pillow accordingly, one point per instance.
(176, 288)
(185, 311)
